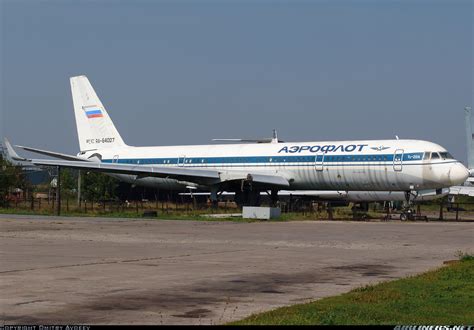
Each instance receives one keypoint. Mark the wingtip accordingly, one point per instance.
(11, 152)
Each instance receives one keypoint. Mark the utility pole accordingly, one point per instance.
(79, 188)
(58, 191)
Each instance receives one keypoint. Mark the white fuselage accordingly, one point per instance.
(374, 165)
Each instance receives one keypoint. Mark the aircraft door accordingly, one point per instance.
(181, 160)
(115, 159)
(319, 162)
(398, 160)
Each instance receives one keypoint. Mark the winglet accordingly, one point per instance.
(11, 153)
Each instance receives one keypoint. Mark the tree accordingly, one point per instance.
(10, 177)
(68, 181)
(97, 186)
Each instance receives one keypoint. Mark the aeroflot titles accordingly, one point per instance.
(325, 148)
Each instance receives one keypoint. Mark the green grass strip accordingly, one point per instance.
(444, 296)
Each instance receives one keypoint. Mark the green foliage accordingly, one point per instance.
(10, 177)
(444, 296)
(464, 256)
(98, 186)
(68, 181)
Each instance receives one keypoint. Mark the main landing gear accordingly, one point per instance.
(247, 195)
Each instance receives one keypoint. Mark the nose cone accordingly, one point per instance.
(458, 173)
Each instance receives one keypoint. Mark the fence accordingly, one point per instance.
(295, 210)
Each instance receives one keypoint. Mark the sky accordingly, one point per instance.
(184, 72)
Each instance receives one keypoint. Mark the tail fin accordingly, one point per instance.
(95, 129)
(470, 138)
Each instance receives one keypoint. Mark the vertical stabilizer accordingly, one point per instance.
(469, 138)
(95, 129)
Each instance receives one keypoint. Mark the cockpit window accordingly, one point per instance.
(434, 155)
(445, 155)
(427, 155)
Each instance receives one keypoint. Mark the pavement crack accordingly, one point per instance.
(117, 261)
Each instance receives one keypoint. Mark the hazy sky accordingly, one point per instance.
(184, 72)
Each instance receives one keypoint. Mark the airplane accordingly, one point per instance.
(466, 188)
(7, 153)
(398, 165)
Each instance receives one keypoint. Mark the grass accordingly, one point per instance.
(443, 296)
(172, 211)
(184, 212)
(131, 213)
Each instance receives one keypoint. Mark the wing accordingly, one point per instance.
(196, 175)
(53, 154)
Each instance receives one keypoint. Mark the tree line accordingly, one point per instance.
(95, 186)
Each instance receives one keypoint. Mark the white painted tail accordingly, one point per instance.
(95, 129)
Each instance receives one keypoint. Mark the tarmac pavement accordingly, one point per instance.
(64, 270)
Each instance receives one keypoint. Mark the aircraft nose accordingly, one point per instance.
(458, 173)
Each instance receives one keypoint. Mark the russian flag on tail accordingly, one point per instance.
(94, 113)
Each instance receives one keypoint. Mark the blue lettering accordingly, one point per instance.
(361, 146)
(314, 148)
(328, 148)
(351, 146)
(340, 146)
(294, 149)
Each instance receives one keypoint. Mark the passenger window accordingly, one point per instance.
(434, 155)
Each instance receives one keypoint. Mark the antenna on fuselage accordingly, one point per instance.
(396, 137)
(275, 136)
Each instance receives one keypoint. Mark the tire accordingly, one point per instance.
(403, 217)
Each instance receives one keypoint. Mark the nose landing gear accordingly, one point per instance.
(408, 213)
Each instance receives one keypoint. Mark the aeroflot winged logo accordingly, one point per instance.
(379, 148)
(93, 112)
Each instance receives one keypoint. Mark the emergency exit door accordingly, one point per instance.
(319, 162)
(398, 160)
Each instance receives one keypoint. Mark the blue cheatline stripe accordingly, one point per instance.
(375, 159)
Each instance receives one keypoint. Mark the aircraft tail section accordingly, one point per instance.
(95, 129)
(469, 138)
